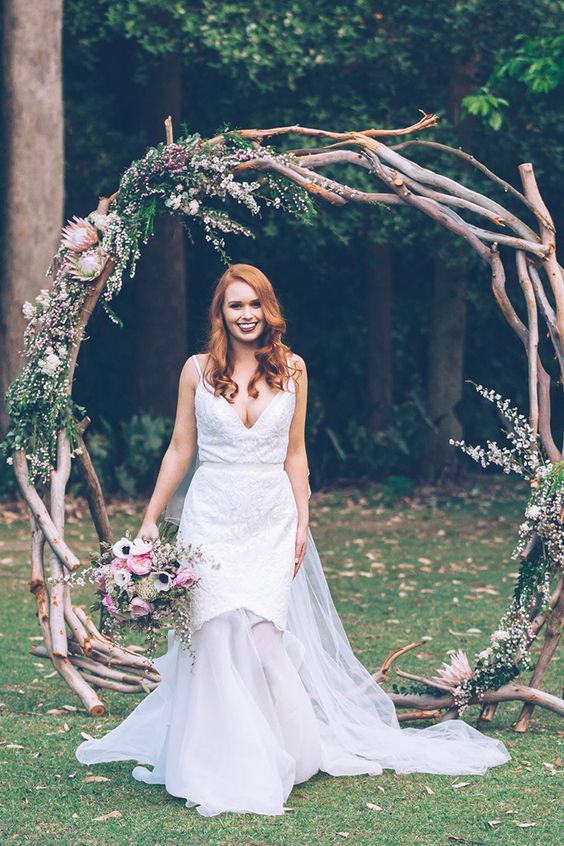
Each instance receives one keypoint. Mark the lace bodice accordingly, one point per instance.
(222, 435)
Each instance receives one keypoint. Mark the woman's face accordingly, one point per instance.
(242, 312)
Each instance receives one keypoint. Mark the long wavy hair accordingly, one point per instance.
(272, 354)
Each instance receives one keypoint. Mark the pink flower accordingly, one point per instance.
(109, 603)
(453, 674)
(139, 565)
(140, 608)
(86, 266)
(79, 236)
(100, 580)
(184, 577)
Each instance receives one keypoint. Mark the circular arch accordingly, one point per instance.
(97, 253)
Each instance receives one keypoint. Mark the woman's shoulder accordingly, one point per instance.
(193, 367)
(297, 361)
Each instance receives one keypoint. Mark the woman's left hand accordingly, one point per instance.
(301, 542)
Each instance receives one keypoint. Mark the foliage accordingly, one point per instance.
(540, 548)
(176, 178)
(126, 456)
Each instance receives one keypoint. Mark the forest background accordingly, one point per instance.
(392, 313)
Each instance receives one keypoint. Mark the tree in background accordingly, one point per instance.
(388, 349)
(33, 166)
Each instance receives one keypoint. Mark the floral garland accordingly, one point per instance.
(179, 178)
(541, 534)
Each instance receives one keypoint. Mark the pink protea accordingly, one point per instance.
(80, 235)
(86, 266)
(453, 674)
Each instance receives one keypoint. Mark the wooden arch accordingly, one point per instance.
(89, 661)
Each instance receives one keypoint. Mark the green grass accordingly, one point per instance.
(437, 567)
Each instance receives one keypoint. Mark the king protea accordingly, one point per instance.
(79, 235)
(87, 266)
(453, 674)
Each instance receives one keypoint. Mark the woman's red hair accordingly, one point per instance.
(272, 354)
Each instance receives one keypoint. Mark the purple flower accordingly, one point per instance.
(109, 603)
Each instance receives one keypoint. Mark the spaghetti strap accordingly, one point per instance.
(198, 365)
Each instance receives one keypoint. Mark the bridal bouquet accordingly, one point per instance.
(143, 586)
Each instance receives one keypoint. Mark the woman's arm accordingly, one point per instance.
(179, 454)
(295, 464)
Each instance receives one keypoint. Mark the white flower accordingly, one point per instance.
(122, 577)
(140, 547)
(499, 635)
(102, 221)
(9, 460)
(174, 201)
(28, 310)
(49, 364)
(43, 297)
(485, 653)
(533, 512)
(193, 207)
(122, 548)
(162, 580)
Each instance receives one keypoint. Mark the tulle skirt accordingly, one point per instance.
(237, 728)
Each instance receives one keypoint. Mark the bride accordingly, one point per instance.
(275, 693)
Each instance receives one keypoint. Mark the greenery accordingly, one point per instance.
(440, 567)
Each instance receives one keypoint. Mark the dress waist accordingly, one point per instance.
(244, 465)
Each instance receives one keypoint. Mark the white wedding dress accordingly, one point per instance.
(275, 693)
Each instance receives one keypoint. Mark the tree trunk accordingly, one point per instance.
(447, 339)
(34, 167)
(160, 286)
(379, 364)
(445, 380)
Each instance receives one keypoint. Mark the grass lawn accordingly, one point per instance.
(439, 566)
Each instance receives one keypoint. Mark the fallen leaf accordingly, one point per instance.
(430, 791)
(459, 784)
(343, 834)
(524, 825)
(66, 726)
(493, 823)
(109, 816)
(373, 807)
(96, 778)
(14, 746)
(69, 707)
(86, 736)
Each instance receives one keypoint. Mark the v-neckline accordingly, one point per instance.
(233, 409)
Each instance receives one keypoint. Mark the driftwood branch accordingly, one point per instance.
(83, 655)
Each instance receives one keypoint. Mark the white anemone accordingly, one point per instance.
(162, 580)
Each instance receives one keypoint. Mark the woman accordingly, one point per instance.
(275, 693)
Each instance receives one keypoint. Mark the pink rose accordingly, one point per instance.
(184, 577)
(139, 565)
(140, 608)
(109, 603)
